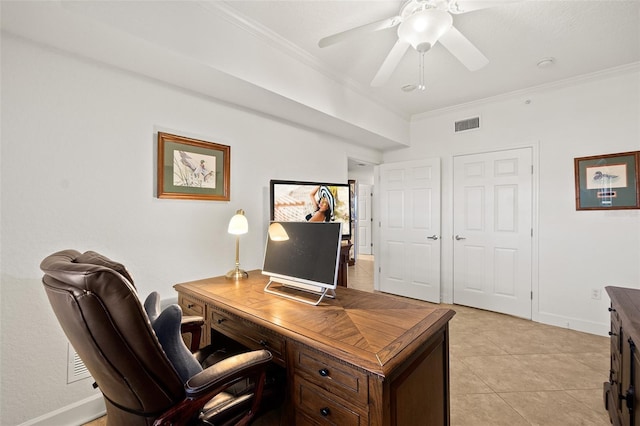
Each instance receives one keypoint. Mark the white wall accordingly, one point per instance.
(577, 250)
(78, 171)
(364, 176)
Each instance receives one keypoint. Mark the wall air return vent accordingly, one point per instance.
(467, 124)
(76, 369)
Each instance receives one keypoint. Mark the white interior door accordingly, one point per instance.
(409, 207)
(364, 219)
(492, 223)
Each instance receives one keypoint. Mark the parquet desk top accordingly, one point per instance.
(373, 331)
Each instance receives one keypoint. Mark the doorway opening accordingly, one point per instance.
(361, 176)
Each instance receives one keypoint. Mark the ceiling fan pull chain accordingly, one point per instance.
(421, 86)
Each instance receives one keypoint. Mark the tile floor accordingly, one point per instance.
(509, 371)
(506, 371)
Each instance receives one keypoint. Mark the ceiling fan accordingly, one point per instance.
(421, 24)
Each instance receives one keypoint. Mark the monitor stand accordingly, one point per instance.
(289, 289)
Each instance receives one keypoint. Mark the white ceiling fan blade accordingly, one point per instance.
(464, 6)
(367, 28)
(390, 63)
(463, 50)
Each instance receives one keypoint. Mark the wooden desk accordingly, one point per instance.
(359, 359)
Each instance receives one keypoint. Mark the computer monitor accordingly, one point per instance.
(303, 256)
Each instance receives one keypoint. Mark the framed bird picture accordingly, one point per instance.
(608, 182)
(192, 169)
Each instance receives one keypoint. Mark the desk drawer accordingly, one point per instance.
(315, 406)
(248, 333)
(191, 307)
(336, 377)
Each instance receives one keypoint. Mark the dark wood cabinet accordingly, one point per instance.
(621, 391)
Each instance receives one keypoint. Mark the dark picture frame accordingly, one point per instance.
(608, 182)
(193, 169)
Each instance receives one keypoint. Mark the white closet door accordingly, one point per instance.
(493, 231)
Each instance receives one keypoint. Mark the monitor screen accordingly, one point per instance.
(303, 252)
(296, 201)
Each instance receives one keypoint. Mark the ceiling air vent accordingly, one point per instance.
(467, 124)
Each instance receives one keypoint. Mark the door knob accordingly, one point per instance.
(433, 237)
(458, 237)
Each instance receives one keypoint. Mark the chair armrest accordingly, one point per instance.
(192, 325)
(189, 321)
(226, 372)
(217, 351)
(213, 380)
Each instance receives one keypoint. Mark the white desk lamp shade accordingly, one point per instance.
(238, 225)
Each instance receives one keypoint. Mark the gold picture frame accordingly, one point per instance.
(192, 169)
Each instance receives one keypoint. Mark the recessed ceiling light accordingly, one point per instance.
(546, 62)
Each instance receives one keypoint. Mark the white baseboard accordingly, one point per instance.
(574, 324)
(77, 413)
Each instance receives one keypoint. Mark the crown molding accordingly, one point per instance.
(555, 85)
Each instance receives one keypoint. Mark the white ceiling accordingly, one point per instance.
(264, 55)
(582, 36)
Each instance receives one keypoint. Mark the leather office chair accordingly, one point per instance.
(97, 306)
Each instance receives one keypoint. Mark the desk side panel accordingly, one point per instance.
(419, 393)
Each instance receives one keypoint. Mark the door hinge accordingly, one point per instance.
(532, 232)
(532, 169)
(531, 295)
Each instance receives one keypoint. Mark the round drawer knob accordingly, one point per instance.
(324, 372)
(190, 305)
(220, 321)
(325, 411)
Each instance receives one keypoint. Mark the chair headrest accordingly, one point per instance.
(74, 267)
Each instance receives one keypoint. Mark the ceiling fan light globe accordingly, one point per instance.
(423, 29)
